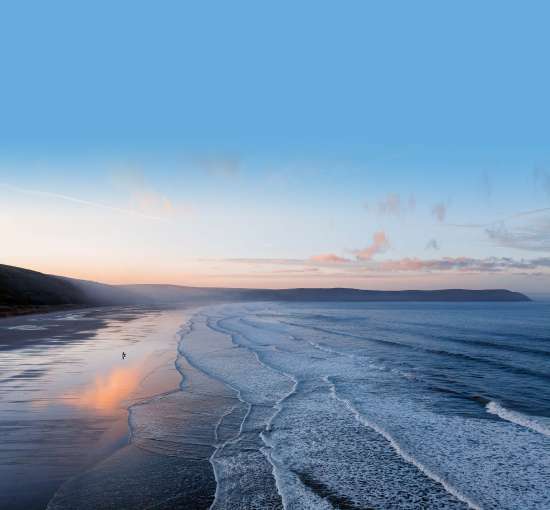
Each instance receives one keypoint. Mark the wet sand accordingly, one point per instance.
(167, 465)
(65, 392)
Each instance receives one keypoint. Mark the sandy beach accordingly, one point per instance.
(66, 391)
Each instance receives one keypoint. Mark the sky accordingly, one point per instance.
(383, 145)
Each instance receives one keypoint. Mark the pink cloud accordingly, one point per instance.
(463, 264)
(364, 268)
(443, 264)
(380, 243)
(328, 258)
(391, 204)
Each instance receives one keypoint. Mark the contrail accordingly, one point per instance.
(528, 213)
(511, 217)
(80, 201)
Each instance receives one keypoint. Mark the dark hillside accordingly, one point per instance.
(24, 287)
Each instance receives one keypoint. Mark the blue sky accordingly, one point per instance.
(269, 144)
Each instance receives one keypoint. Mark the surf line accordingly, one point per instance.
(517, 418)
(218, 447)
(277, 407)
(400, 451)
(188, 328)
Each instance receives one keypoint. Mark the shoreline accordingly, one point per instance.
(7, 312)
(165, 464)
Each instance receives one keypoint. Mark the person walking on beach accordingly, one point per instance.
(123, 355)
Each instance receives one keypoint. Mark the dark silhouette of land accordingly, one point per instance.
(26, 291)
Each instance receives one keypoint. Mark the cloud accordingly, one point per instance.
(411, 266)
(486, 265)
(380, 243)
(149, 200)
(322, 259)
(529, 213)
(533, 236)
(219, 165)
(439, 211)
(253, 261)
(301, 270)
(542, 180)
(515, 216)
(328, 258)
(144, 197)
(390, 205)
(486, 185)
(432, 244)
(76, 200)
(393, 205)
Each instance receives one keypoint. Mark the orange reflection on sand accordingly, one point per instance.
(107, 392)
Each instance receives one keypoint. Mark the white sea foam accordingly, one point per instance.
(407, 455)
(340, 426)
(242, 471)
(306, 360)
(538, 424)
(323, 456)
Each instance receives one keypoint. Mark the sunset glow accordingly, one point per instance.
(280, 174)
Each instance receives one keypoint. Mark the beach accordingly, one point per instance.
(65, 391)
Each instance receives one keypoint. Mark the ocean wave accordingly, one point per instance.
(402, 452)
(520, 419)
(330, 420)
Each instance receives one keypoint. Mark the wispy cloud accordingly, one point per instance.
(486, 185)
(390, 205)
(380, 243)
(219, 165)
(76, 200)
(486, 265)
(393, 205)
(432, 244)
(520, 214)
(542, 179)
(259, 260)
(329, 258)
(525, 230)
(144, 197)
(439, 211)
(412, 264)
(531, 237)
(301, 270)
(325, 259)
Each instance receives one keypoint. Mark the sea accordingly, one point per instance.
(393, 405)
(341, 406)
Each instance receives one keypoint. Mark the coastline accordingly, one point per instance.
(7, 312)
(168, 460)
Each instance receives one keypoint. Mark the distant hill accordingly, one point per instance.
(176, 293)
(22, 289)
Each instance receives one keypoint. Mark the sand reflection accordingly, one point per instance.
(108, 391)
